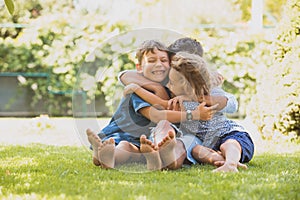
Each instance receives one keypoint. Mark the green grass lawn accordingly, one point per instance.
(49, 172)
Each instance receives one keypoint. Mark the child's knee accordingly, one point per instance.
(195, 151)
(124, 144)
(231, 143)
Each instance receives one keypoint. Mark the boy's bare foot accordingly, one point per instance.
(106, 153)
(227, 167)
(167, 150)
(95, 141)
(151, 154)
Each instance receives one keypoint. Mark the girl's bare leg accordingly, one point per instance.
(206, 155)
(126, 151)
(209, 156)
(231, 149)
(150, 151)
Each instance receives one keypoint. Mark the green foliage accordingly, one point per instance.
(51, 172)
(240, 58)
(272, 9)
(56, 38)
(276, 105)
(10, 6)
(58, 43)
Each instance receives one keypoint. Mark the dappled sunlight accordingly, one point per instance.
(19, 161)
(36, 196)
(63, 58)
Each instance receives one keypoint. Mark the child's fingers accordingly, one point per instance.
(175, 101)
(170, 103)
(213, 108)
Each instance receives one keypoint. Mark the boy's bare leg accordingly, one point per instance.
(167, 150)
(150, 151)
(106, 153)
(125, 152)
(95, 141)
(231, 149)
(161, 131)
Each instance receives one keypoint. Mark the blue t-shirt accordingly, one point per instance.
(127, 123)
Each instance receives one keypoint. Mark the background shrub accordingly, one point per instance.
(276, 106)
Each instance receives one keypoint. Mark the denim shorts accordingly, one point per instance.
(245, 141)
(189, 141)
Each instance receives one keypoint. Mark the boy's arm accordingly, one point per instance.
(212, 100)
(227, 102)
(146, 96)
(132, 76)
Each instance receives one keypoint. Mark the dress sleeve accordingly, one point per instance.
(232, 104)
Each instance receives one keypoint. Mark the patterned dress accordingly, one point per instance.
(210, 131)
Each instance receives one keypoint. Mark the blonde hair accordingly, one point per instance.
(195, 72)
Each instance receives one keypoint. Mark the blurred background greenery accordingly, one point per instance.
(43, 44)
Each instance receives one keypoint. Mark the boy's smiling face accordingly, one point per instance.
(155, 65)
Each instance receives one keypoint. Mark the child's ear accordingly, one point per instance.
(138, 67)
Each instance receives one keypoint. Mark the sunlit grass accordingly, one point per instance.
(41, 171)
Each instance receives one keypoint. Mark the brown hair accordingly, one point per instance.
(195, 71)
(147, 46)
(186, 44)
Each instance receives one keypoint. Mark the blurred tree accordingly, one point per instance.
(272, 10)
(57, 40)
(276, 106)
(56, 36)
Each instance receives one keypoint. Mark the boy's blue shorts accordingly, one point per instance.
(245, 141)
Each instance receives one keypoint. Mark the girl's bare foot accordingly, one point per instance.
(227, 167)
(167, 150)
(95, 141)
(151, 154)
(239, 165)
(106, 153)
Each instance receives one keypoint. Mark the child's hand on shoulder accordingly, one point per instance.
(176, 103)
(130, 88)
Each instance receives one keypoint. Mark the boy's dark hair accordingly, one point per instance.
(147, 46)
(187, 45)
